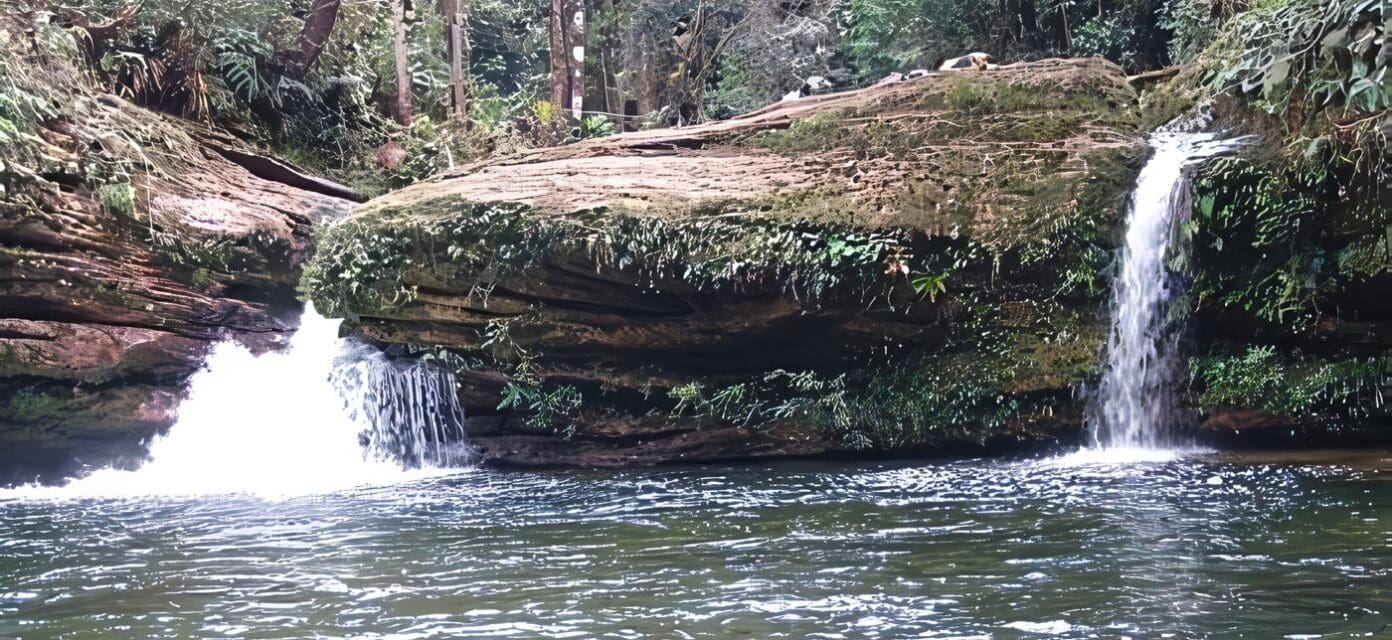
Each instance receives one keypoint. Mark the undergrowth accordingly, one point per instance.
(1291, 385)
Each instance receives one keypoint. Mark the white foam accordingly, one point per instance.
(270, 425)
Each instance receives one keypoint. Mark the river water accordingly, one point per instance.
(1204, 546)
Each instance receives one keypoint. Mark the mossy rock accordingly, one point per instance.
(927, 252)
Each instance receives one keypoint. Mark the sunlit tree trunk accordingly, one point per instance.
(403, 67)
(318, 26)
(457, 46)
(575, 43)
(560, 70)
(649, 88)
(1065, 39)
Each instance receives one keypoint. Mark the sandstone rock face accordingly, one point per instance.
(913, 266)
(117, 273)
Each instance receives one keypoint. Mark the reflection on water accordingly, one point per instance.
(977, 549)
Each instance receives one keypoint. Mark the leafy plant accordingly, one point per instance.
(1110, 36)
(930, 285)
(1299, 388)
(596, 126)
(118, 198)
(238, 56)
(543, 406)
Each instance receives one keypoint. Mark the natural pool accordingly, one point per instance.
(1206, 546)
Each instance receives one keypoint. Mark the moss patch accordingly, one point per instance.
(968, 108)
(30, 407)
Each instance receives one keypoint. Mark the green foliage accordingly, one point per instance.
(544, 407)
(897, 35)
(881, 408)
(1279, 240)
(596, 126)
(32, 406)
(360, 263)
(996, 362)
(805, 135)
(525, 389)
(431, 146)
(1112, 37)
(228, 62)
(1295, 387)
(1195, 24)
(1304, 59)
(733, 92)
(357, 269)
(18, 111)
(930, 285)
(118, 198)
(238, 56)
(735, 403)
(28, 96)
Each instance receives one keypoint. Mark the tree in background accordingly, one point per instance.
(558, 78)
(401, 57)
(679, 55)
(884, 36)
(331, 81)
(894, 35)
(457, 51)
(567, 73)
(782, 44)
(318, 26)
(575, 49)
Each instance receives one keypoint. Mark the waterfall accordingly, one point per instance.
(408, 412)
(1136, 399)
(322, 415)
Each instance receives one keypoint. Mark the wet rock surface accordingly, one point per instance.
(111, 292)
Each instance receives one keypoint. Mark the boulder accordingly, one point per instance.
(910, 266)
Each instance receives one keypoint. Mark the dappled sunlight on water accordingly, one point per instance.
(1199, 546)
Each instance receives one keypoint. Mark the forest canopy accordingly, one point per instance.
(380, 93)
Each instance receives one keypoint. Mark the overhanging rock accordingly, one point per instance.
(908, 265)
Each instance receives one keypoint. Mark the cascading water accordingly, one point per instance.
(1136, 398)
(294, 422)
(409, 412)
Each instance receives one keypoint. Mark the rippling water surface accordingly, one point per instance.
(1199, 547)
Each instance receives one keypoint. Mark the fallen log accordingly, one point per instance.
(1155, 75)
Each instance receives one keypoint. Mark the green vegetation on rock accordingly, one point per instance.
(1292, 386)
(361, 262)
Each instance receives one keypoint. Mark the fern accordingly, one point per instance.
(238, 57)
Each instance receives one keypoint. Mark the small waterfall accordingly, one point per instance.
(1137, 395)
(409, 412)
(308, 419)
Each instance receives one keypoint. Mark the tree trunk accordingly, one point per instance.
(457, 46)
(1028, 17)
(575, 44)
(611, 99)
(1065, 39)
(318, 26)
(403, 67)
(560, 71)
(648, 85)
